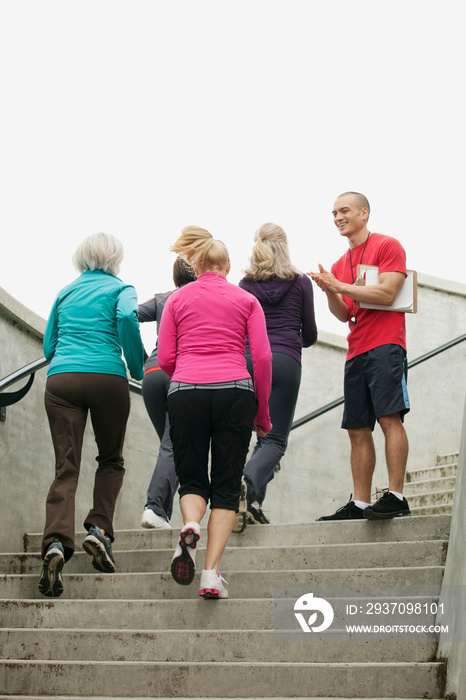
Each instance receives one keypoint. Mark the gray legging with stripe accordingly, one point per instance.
(164, 482)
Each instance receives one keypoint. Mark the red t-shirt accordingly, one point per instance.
(373, 327)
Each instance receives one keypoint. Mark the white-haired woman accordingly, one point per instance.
(212, 402)
(92, 321)
(286, 297)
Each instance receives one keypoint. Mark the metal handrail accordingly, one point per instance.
(32, 367)
(9, 398)
(338, 402)
(437, 351)
(23, 372)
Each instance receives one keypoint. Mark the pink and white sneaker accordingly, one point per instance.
(212, 585)
(184, 560)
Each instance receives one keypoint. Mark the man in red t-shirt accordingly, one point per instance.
(376, 365)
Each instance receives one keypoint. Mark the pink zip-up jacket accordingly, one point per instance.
(202, 338)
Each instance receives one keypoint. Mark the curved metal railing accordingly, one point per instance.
(338, 402)
(9, 398)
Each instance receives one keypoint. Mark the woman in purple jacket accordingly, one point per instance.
(287, 299)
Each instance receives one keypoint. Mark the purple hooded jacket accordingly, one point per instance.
(289, 313)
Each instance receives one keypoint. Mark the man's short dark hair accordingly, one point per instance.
(362, 199)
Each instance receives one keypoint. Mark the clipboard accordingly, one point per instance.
(406, 300)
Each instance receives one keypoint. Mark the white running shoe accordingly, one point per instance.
(184, 560)
(212, 585)
(152, 521)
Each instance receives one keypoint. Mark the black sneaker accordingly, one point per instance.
(241, 515)
(349, 511)
(50, 582)
(99, 546)
(388, 506)
(256, 515)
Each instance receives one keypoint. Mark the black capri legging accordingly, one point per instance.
(219, 419)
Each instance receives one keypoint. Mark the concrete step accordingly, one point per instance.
(436, 498)
(138, 634)
(155, 679)
(56, 613)
(413, 488)
(285, 535)
(444, 509)
(93, 697)
(226, 645)
(263, 614)
(241, 584)
(451, 458)
(429, 473)
(366, 555)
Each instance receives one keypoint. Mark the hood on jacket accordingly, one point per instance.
(270, 292)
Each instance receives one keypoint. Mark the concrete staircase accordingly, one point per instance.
(430, 491)
(138, 634)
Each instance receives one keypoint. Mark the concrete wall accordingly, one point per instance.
(453, 645)
(315, 475)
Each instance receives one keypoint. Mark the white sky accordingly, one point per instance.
(138, 117)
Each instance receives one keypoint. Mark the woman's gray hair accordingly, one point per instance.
(270, 255)
(100, 251)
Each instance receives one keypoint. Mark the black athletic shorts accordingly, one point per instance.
(215, 421)
(375, 386)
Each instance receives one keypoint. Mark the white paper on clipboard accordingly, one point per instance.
(405, 302)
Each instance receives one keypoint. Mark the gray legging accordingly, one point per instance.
(164, 482)
(286, 379)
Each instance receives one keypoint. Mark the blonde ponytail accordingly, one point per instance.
(201, 249)
(270, 255)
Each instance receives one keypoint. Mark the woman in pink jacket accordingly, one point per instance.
(212, 402)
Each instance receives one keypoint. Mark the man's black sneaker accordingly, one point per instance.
(388, 506)
(256, 515)
(349, 511)
(99, 546)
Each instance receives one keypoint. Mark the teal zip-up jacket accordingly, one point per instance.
(93, 320)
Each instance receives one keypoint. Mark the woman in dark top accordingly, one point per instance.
(287, 299)
(164, 482)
